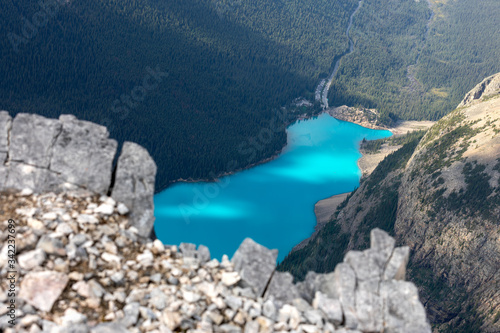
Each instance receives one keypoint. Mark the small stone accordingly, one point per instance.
(96, 290)
(146, 258)
(156, 278)
(171, 319)
(109, 328)
(266, 324)
(118, 277)
(122, 209)
(64, 229)
(190, 296)
(173, 280)
(158, 246)
(111, 258)
(29, 320)
(86, 218)
(229, 328)
(26, 192)
(234, 302)
(35, 224)
(42, 289)
(269, 310)
(105, 209)
(75, 276)
(82, 288)
(158, 299)
(203, 253)
(72, 317)
(252, 327)
(230, 278)
(229, 314)
(31, 259)
(107, 200)
(215, 317)
(188, 250)
(50, 216)
(131, 311)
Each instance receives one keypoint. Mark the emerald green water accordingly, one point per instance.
(273, 203)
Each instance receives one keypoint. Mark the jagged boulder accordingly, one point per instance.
(135, 185)
(255, 263)
(488, 87)
(83, 154)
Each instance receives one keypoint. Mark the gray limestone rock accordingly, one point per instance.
(83, 154)
(255, 264)
(365, 264)
(369, 311)
(402, 309)
(32, 138)
(381, 245)
(281, 288)
(341, 285)
(5, 126)
(188, 250)
(131, 311)
(21, 176)
(330, 307)
(309, 286)
(396, 267)
(134, 185)
(203, 253)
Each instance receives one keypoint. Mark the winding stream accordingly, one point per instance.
(412, 69)
(325, 86)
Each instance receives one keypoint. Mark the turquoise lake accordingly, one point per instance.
(272, 203)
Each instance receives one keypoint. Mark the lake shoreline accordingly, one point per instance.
(366, 164)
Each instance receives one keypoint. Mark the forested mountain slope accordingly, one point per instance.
(441, 196)
(189, 80)
(415, 62)
(204, 78)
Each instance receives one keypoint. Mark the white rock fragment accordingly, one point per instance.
(104, 209)
(31, 259)
(122, 209)
(86, 218)
(230, 278)
(26, 192)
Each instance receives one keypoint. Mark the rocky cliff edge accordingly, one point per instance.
(79, 269)
(41, 155)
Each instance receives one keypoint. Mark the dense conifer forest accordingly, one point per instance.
(200, 82)
(412, 62)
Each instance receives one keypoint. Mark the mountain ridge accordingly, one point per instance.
(440, 195)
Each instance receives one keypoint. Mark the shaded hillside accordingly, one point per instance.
(189, 80)
(442, 198)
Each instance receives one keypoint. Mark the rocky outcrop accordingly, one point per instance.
(365, 117)
(487, 88)
(43, 155)
(135, 185)
(81, 269)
